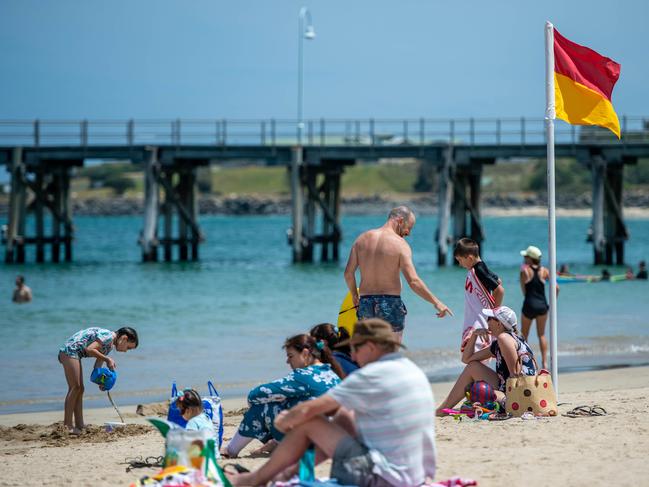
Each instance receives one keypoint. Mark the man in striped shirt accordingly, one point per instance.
(389, 440)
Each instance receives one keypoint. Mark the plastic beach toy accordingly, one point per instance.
(482, 392)
(104, 377)
(347, 316)
(111, 426)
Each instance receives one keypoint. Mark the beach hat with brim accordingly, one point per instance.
(505, 315)
(372, 330)
(532, 252)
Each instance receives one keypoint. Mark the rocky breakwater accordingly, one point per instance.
(207, 205)
(351, 205)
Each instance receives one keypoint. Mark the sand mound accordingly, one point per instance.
(161, 409)
(237, 412)
(154, 409)
(57, 435)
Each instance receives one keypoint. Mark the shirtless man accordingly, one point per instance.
(22, 293)
(382, 254)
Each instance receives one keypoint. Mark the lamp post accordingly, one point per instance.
(305, 31)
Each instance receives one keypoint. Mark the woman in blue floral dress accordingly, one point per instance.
(91, 342)
(314, 372)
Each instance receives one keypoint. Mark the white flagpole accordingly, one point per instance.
(552, 243)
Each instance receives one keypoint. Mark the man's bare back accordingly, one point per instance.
(382, 255)
(379, 253)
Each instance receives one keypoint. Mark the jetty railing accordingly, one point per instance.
(316, 132)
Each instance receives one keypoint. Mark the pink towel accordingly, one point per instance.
(453, 482)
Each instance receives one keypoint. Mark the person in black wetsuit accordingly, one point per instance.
(535, 305)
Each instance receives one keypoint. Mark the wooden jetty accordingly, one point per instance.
(40, 157)
(50, 188)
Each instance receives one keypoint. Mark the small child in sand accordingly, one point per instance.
(482, 289)
(190, 406)
(91, 342)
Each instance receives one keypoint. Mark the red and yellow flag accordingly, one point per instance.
(583, 84)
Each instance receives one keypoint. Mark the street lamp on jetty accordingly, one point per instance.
(305, 31)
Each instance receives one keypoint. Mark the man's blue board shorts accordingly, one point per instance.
(385, 306)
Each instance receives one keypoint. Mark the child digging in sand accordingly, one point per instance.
(91, 342)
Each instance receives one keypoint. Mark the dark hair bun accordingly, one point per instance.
(190, 399)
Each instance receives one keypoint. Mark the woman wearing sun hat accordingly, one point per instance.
(506, 346)
(535, 306)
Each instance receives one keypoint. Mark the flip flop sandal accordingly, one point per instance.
(597, 411)
(236, 467)
(499, 416)
(583, 411)
(578, 412)
(138, 462)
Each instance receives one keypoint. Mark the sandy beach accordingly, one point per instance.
(542, 211)
(590, 451)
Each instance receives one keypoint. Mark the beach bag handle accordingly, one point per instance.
(211, 389)
(174, 390)
(213, 393)
(519, 368)
(519, 362)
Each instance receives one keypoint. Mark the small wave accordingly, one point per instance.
(437, 361)
(606, 346)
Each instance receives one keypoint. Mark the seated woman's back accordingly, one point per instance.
(299, 385)
(313, 372)
(510, 340)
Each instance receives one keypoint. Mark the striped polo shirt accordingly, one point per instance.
(394, 411)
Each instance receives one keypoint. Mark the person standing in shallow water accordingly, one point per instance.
(382, 255)
(535, 306)
(22, 293)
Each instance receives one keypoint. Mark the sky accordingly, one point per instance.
(163, 59)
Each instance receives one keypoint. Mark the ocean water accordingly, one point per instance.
(225, 318)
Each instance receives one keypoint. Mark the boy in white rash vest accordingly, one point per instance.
(482, 289)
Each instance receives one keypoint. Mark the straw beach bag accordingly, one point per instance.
(533, 393)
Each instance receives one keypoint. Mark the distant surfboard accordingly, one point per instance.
(589, 278)
(347, 317)
(574, 279)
